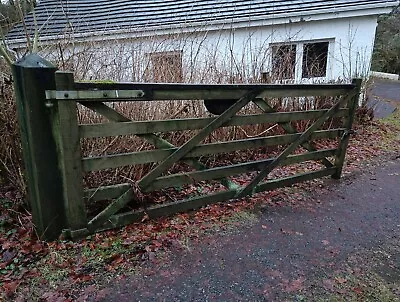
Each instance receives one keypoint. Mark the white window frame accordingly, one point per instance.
(298, 72)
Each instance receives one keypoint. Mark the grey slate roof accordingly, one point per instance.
(56, 17)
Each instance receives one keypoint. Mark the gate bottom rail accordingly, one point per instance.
(194, 203)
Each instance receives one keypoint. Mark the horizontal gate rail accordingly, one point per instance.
(100, 92)
(106, 192)
(194, 203)
(143, 157)
(146, 127)
(98, 96)
(303, 137)
(158, 142)
(235, 169)
(52, 139)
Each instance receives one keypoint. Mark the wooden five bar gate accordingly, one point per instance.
(47, 107)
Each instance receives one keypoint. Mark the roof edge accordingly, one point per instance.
(142, 32)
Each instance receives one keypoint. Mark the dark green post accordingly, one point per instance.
(33, 76)
(66, 134)
(348, 124)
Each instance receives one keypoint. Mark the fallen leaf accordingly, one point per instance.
(340, 280)
(145, 217)
(11, 287)
(118, 260)
(328, 284)
(295, 285)
(85, 278)
(53, 296)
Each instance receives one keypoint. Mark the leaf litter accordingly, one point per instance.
(66, 270)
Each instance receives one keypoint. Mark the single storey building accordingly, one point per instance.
(206, 41)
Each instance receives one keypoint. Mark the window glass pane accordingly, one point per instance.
(315, 58)
(283, 61)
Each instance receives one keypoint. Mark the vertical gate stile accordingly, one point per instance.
(68, 140)
(348, 124)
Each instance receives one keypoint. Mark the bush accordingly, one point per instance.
(386, 56)
(10, 144)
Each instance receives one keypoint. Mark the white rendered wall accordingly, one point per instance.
(350, 50)
(226, 55)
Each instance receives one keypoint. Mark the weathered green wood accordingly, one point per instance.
(107, 112)
(140, 95)
(288, 181)
(219, 172)
(187, 88)
(158, 142)
(143, 157)
(304, 136)
(116, 117)
(114, 92)
(106, 192)
(111, 209)
(97, 95)
(202, 134)
(263, 105)
(32, 76)
(148, 127)
(197, 202)
(66, 132)
(341, 153)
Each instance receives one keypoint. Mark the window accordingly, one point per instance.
(283, 61)
(166, 67)
(299, 60)
(315, 58)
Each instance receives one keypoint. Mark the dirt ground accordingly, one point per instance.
(322, 240)
(343, 245)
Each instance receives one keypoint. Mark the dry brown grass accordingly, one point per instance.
(11, 172)
(10, 147)
(186, 109)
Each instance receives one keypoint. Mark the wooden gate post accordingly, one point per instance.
(348, 124)
(66, 134)
(33, 76)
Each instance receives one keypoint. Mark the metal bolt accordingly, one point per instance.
(105, 94)
(140, 94)
(49, 104)
(66, 95)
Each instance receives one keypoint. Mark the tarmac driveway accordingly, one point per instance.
(384, 96)
(292, 254)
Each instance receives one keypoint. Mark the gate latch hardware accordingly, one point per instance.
(348, 132)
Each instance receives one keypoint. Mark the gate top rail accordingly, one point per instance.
(87, 91)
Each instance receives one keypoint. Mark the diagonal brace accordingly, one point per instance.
(190, 144)
(263, 105)
(157, 141)
(113, 208)
(305, 136)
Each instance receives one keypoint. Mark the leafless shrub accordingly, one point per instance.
(155, 62)
(10, 144)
